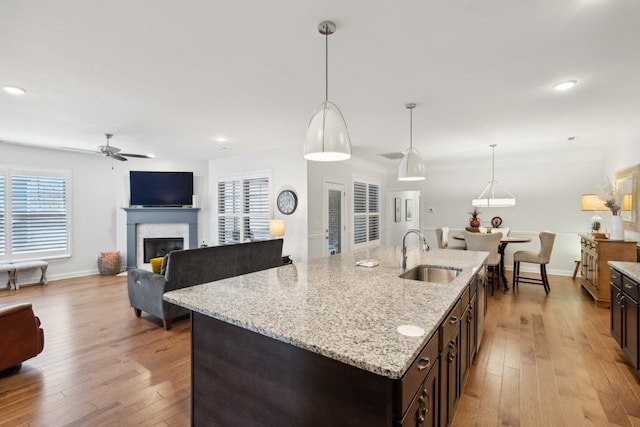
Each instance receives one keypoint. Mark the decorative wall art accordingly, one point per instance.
(408, 210)
(398, 204)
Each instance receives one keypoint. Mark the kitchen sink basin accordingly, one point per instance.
(426, 273)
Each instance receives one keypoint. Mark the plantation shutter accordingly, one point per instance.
(256, 208)
(243, 209)
(366, 212)
(39, 214)
(359, 211)
(374, 212)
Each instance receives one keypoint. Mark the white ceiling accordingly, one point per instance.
(168, 77)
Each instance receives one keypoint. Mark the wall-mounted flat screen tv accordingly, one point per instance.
(161, 188)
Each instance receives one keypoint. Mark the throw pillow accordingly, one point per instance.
(163, 267)
(156, 264)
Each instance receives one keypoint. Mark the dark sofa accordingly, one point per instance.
(196, 266)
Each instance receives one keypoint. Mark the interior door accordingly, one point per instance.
(334, 222)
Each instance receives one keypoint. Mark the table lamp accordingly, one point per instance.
(591, 202)
(276, 228)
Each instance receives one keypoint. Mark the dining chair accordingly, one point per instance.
(442, 236)
(487, 242)
(542, 258)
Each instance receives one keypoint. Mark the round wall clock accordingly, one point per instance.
(287, 202)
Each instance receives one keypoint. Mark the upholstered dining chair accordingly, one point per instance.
(442, 236)
(487, 242)
(542, 258)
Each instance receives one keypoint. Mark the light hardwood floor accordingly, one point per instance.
(544, 361)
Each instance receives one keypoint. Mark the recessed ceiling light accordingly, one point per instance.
(568, 84)
(14, 90)
(221, 139)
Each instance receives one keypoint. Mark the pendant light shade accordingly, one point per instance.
(327, 138)
(494, 195)
(411, 166)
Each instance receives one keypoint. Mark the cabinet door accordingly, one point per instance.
(450, 366)
(424, 409)
(616, 313)
(630, 331)
(464, 348)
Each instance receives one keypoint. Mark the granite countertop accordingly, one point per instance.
(631, 269)
(332, 307)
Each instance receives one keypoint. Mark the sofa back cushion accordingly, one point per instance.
(195, 266)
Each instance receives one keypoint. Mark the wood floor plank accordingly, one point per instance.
(544, 360)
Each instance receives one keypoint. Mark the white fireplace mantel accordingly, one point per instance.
(137, 216)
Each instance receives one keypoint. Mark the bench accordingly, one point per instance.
(14, 267)
(7, 268)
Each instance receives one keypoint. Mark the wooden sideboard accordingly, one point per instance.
(595, 253)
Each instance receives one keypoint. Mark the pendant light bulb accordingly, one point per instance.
(327, 138)
(411, 166)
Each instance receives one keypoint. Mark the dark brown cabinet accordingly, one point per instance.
(425, 406)
(625, 316)
(294, 386)
(616, 306)
(450, 366)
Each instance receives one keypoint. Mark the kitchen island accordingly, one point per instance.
(318, 343)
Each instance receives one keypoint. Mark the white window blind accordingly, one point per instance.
(366, 212)
(34, 215)
(243, 209)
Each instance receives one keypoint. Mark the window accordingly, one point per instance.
(366, 212)
(34, 214)
(243, 209)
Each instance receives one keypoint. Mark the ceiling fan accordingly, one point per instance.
(108, 150)
(115, 152)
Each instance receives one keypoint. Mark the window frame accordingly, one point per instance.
(240, 217)
(10, 255)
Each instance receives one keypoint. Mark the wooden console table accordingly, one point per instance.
(595, 254)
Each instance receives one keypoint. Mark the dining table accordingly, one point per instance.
(504, 241)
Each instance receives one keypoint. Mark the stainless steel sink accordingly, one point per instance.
(426, 273)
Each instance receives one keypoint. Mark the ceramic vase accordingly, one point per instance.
(617, 228)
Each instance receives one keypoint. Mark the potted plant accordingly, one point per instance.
(474, 221)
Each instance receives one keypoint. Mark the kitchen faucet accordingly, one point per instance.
(425, 246)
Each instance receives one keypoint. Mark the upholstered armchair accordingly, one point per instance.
(21, 336)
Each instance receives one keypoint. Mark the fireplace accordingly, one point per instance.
(155, 247)
(145, 223)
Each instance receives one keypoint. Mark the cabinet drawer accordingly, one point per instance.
(451, 325)
(466, 296)
(417, 372)
(615, 277)
(630, 287)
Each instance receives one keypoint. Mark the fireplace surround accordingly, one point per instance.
(137, 216)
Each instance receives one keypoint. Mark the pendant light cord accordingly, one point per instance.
(411, 129)
(326, 63)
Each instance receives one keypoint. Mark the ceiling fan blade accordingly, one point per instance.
(140, 156)
(117, 157)
(80, 150)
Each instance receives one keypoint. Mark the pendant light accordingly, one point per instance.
(327, 137)
(488, 198)
(411, 166)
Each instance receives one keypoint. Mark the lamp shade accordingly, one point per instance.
(327, 138)
(411, 166)
(591, 202)
(276, 228)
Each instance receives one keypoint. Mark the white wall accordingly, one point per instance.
(289, 171)
(547, 189)
(395, 230)
(100, 188)
(342, 173)
(200, 171)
